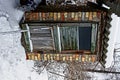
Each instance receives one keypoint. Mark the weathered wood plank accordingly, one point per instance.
(40, 35)
(39, 29)
(42, 43)
(41, 38)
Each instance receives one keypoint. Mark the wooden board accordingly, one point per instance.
(61, 57)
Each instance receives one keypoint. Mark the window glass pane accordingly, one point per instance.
(68, 37)
(85, 38)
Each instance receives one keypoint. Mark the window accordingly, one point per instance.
(79, 37)
(42, 37)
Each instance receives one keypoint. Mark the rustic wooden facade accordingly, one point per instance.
(64, 30)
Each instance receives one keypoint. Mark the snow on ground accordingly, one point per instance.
(112, 39)
(12, 55)
(117, 43)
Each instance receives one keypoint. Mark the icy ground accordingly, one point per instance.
(12, 55)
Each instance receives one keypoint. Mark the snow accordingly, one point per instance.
(112, 39)
(14, 65)
(12, 58)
